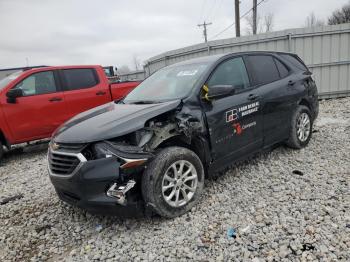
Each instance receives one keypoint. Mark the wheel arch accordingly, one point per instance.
(310, 106)
(4, 140)
(198, 145)
(305, 102)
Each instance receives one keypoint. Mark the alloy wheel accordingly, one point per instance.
(179, 183)
(303, 127)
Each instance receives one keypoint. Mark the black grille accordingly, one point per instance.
(62, 164)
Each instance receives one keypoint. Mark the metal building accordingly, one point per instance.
(325, 49)
(8, 71)
(133, 75)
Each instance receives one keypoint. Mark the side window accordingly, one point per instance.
(264, 69)
(79, 78)
(38, 84)
(230, 72)
(282, 69)
(294, 60)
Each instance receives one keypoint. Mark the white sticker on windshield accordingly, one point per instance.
(187, 73)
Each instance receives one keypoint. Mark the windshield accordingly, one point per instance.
(4, 82)
(169, 83)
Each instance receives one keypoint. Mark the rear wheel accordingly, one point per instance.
(301, 128)
(173, 181)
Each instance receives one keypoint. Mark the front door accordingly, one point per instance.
(39, 111)
(235, 122)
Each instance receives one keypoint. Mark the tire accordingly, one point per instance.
(1, 150)
(296, 140)
(160, 174)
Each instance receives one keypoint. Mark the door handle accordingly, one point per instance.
(55, 99)
(253, 97)
(100, 93)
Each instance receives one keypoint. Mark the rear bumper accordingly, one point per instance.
(87, 187)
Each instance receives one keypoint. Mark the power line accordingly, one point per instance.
(211, 11)
(234, 22)
(201, 14)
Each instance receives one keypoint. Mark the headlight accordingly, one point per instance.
(129, 156)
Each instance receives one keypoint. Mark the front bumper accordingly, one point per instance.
(87, 185)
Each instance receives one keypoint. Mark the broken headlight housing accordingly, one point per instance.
(129, 156)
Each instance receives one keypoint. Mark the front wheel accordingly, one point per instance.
(173, 181)
(301, 128)
(1, 150)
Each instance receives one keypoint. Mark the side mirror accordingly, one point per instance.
(220, 91)
(13, 94)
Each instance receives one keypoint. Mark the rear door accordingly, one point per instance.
(235, 122)
(271, 79)
(40, 111)
(83, 89)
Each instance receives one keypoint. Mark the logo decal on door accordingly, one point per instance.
(238, 128)
(236, 113)
(231, 115)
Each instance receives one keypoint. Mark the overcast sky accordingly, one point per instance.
(113, 32)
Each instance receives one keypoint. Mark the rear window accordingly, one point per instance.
(294, 60)
(282, 69)
(79, 78)
(264, 69)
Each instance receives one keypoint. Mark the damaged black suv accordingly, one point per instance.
(154, 148)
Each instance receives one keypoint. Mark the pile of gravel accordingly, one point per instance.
(282, 205)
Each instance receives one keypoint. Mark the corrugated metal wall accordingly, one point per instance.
(133, 75)
(325, 49)
(5, 73)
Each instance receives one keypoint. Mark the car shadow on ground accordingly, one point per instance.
(24, 150)
(148, 213)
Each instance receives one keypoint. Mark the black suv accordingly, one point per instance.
(154, 148)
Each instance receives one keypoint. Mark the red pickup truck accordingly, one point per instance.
(34, 102)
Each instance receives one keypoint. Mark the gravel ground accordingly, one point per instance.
(269, 212)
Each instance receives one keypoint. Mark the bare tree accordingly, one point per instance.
(340, 16)
(268, 22)
(136, 63)
(249, 28)
(263, 25)
(311, 20)
(123, 69)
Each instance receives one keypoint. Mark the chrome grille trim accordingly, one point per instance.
(64, 164)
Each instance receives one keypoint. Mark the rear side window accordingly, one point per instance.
(264, 69)
(294, 60)
(79, 78)
(38, 84)
(282, 69)
(230, 72)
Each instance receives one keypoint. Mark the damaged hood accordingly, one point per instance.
(109, 121)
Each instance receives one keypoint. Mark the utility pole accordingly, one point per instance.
(237, 18)
(205, 30)
(255, 6)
